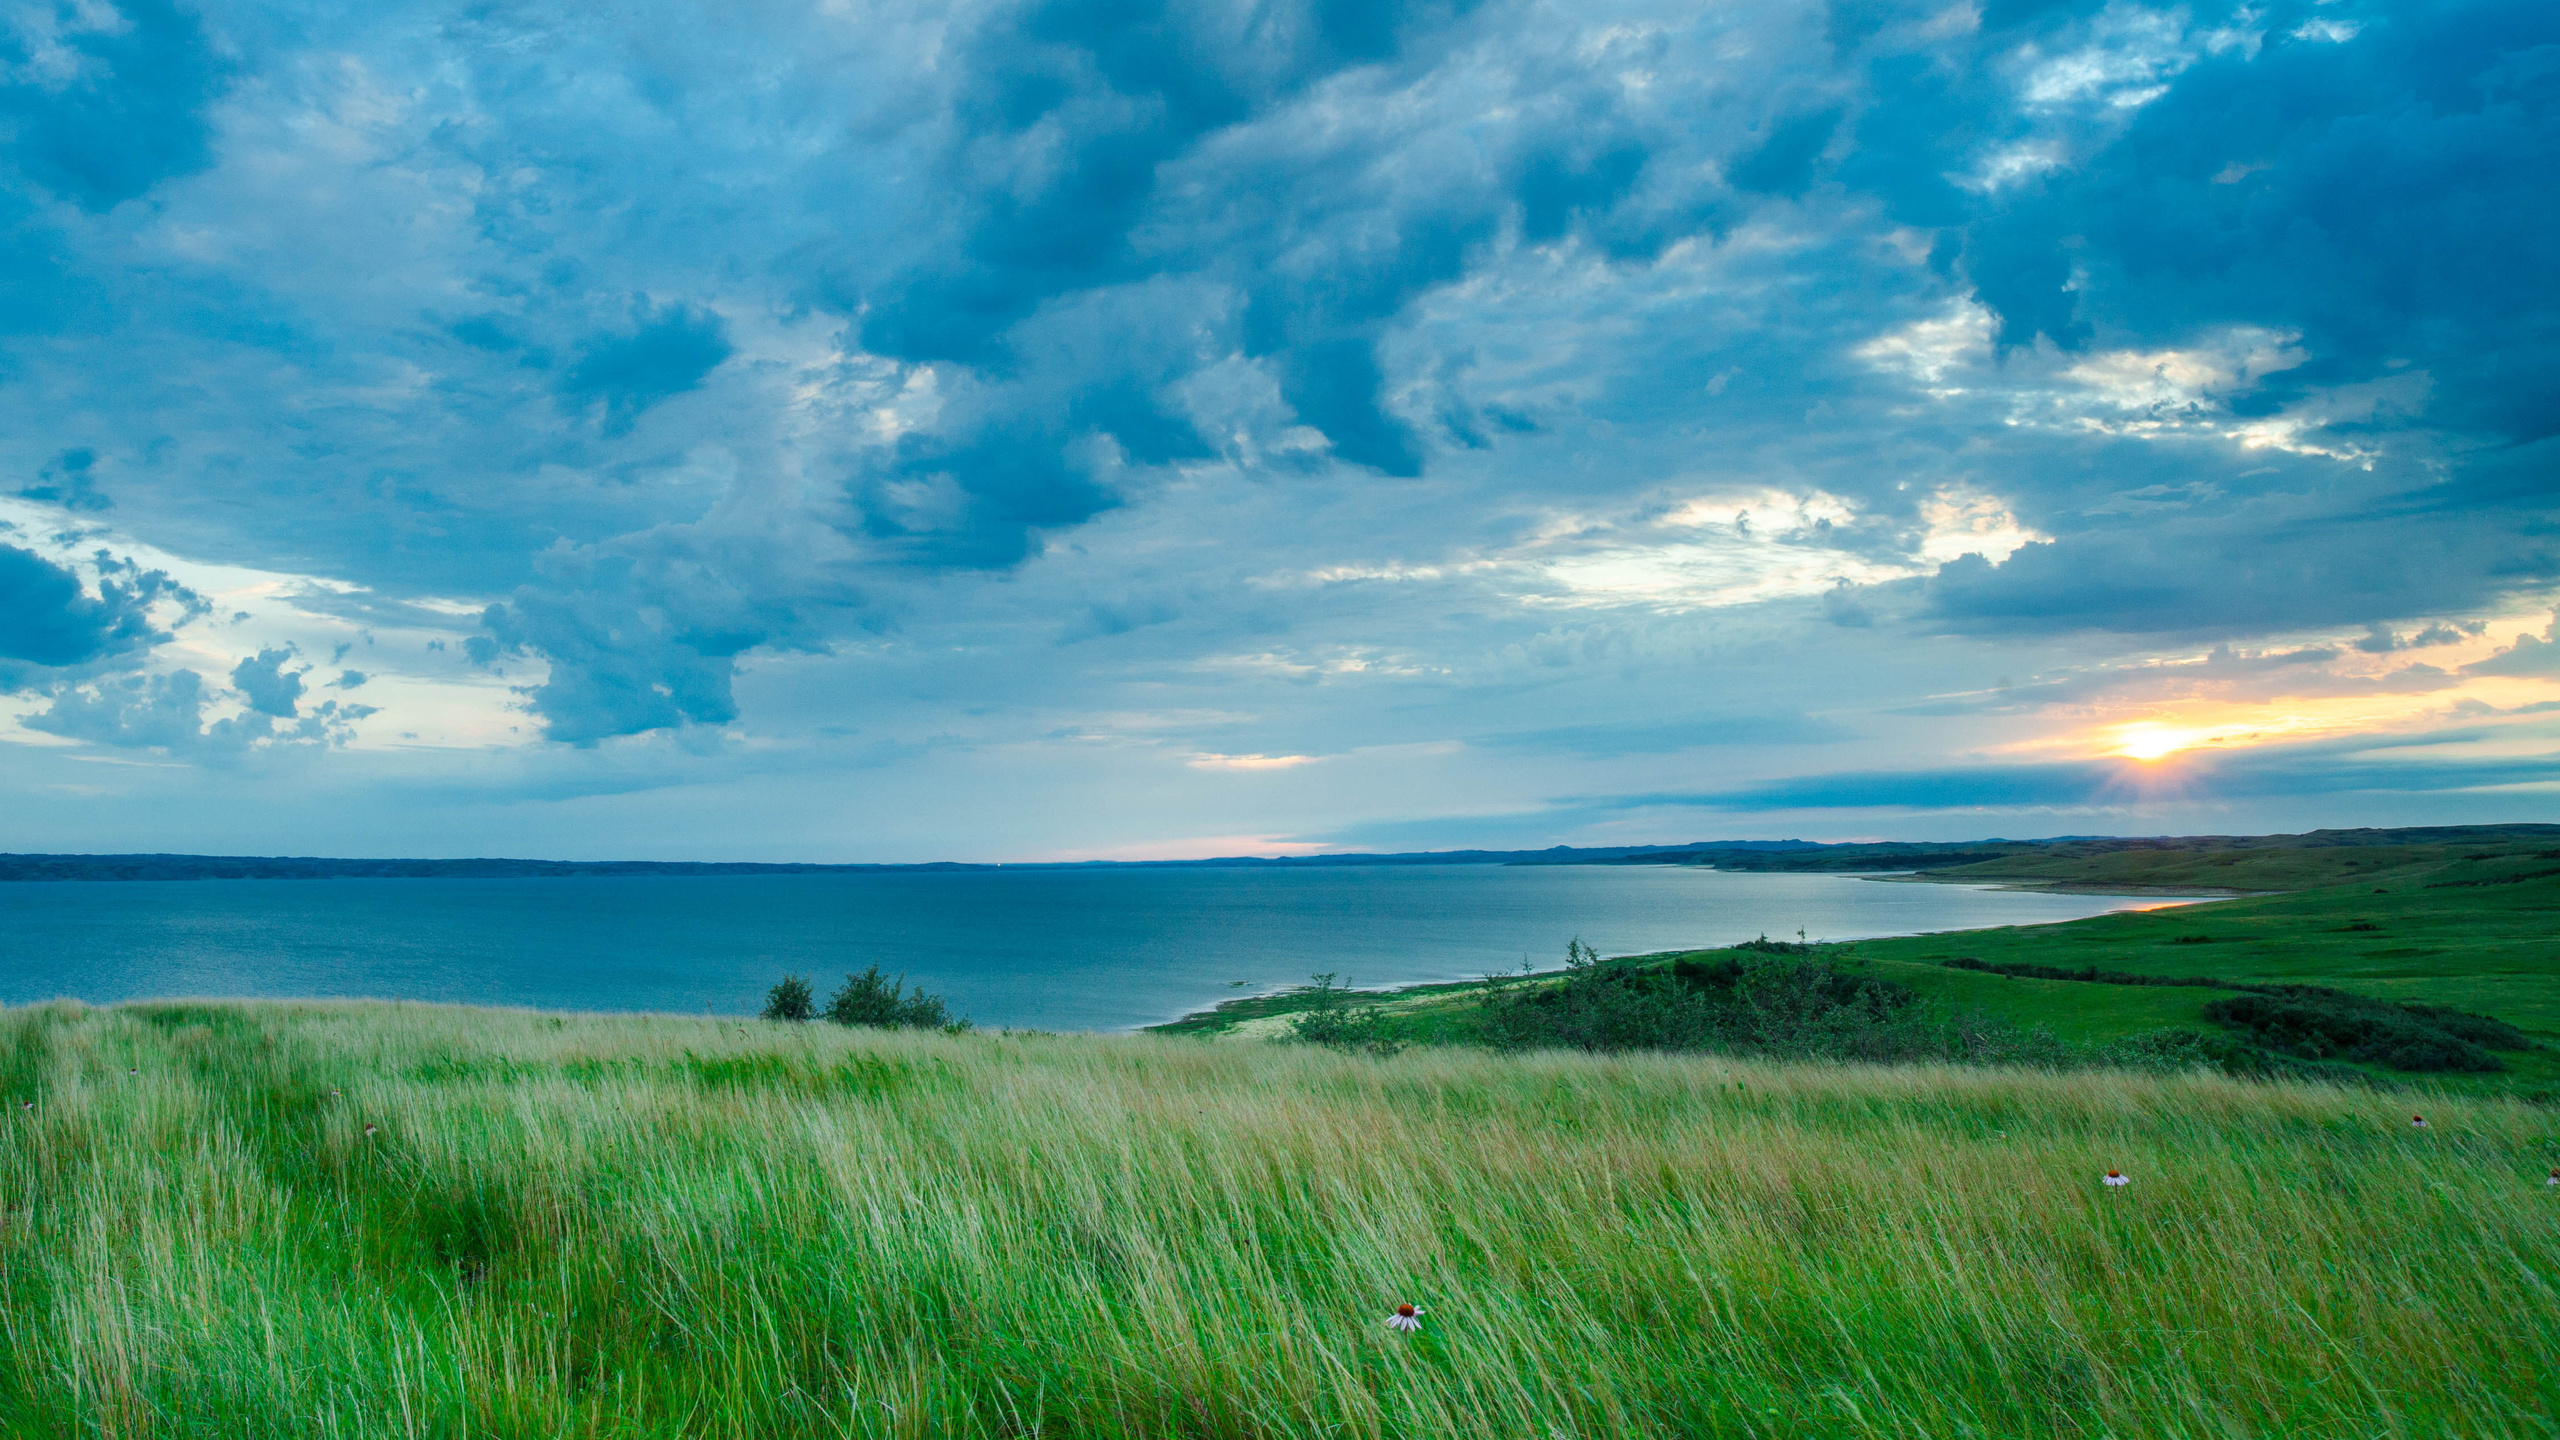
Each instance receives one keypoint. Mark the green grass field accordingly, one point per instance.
(2482, 936)
(2475, 928)
(577, 1226)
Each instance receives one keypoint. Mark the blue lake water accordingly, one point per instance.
(1053, 949)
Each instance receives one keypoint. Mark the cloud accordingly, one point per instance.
(270, 688)
(68, 482)
(2331, 769)
(667, 353)
(104, 101)
(1666, 737)
(2529, 655)
(1354, 374)
(165, 712)
(47, 619)
(133, 712)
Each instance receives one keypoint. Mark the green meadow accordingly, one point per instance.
(2473, 927)
(365, 1220)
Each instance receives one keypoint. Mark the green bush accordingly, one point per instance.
(868, 999)
(2318, 1024)
(1603, 1005)
(2089, 974)
(1330, 1020)
(2180, 1049)
(1785, 1004)
(789, 1000)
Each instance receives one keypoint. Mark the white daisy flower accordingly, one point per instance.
(369, 1129)
(1407, 1317)
(2418, 1121)
(2555, 1178)
(2116, 1177)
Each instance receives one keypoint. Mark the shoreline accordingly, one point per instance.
(2027, 886)
(1227, 1016)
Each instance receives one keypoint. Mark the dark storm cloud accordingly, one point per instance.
(69, 483)
(102, 102)
(666, 353)
(48, 619)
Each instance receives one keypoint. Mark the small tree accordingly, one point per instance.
(790, 1000)
(869, 999)
(1328, 1020)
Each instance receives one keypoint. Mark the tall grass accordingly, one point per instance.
(572, 1226)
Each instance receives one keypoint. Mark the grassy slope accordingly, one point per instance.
(621, 1227)
(2479, 934)
(2256, 865)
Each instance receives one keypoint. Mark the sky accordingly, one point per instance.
(931, 429)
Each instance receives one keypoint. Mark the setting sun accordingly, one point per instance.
(2151, 742)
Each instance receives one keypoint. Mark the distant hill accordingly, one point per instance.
(309, 867)
(2076, 859)
(2244, 861)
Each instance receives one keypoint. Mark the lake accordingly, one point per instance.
(1104, 949)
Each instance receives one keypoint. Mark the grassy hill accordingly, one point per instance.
(2412, 926)
(357, 1220)
(2473, 926)
(2114, 863)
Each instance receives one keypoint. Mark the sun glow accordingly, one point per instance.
(2147, 741)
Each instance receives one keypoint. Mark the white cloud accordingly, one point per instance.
(424, 697)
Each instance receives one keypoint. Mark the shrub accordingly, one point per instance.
(2318, 1024)
(867, 999)
(1602, 1005)
(1784, 1005)
(1330, 1021)
(2182, 1049)
(789, 1000)
(2090, 974)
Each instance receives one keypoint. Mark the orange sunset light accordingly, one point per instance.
(2148, 741)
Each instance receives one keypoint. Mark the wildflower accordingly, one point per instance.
(133, 1070)
(2419, 1121)
(2555, 1178)
(2117, 1177)
(1407, 1317)
(369, 1129)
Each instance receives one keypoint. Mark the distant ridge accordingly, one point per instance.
(1946, 855)
(311, 867)
(1799, 856)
